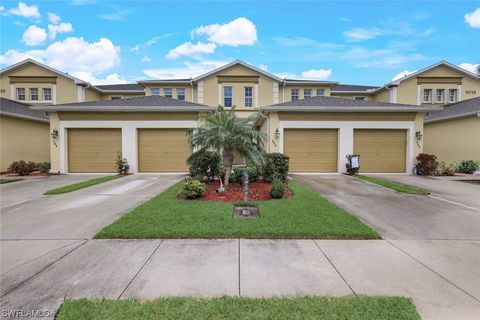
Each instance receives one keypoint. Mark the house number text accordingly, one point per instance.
(470, 91)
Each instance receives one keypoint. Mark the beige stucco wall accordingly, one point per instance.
(23, 139)
(123, 95)
(174, 87)
(453, 140)
(382, 96)
(286, 93)
(368, 97)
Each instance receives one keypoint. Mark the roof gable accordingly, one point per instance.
(237, 63)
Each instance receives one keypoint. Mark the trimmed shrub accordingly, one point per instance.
(467, 166)
(426, 164)
(122, 164)
(44, 167)
(193, 189)
(22, 168)
(205, 163)
(448, 171)
(277, 189)
(276, 166)
(237, 175)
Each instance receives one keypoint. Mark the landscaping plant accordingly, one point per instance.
(226, 132)
(122, 164)
(193, 189)
(348, 165)
(277, 189)
(22, 168)
(426, 164)
(276, 166)
(204, 164)
(44, 167)
(467, 166)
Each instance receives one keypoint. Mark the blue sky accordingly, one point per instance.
(352, 42)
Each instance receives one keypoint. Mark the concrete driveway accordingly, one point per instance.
(401, 216)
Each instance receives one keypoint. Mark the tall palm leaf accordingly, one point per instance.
(227, 133)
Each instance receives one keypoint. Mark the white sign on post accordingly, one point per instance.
(355, 162)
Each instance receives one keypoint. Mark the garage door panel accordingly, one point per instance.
(163, 150)
(381, 150)
(311, 150)
(93, 150)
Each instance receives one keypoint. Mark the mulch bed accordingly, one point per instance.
(257, 191)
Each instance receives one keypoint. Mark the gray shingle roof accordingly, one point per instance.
(455, 110)
(325, 103)
(20, 110)
(145, 103)
(352, 87)
(121, 87)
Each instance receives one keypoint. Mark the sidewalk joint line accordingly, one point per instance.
(43, 269)
(453, 202)
(328, 259)
(435, 272)
(141, 268)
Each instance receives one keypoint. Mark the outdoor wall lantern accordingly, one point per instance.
(54, 134)
(277, 134)
(418, 135)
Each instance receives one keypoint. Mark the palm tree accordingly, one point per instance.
(227, 133)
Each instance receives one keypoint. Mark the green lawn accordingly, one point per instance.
(232, 308)
(2, 181)
(81, 185)
(393, 185)
(305, 215)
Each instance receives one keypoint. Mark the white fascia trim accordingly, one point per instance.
(346, 134)
(129, 136)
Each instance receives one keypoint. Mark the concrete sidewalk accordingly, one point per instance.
(442, 278)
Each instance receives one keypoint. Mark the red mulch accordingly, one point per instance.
(257, 191)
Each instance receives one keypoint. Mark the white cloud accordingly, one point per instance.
(150, 42)
(403, 74)
(358, 34)
(63, 27)
(135, 48)
(186, 71)
(89, 77)
(53, 18)
(319, 74)
(389, 57)
(263, 67)
(146, 59)
(34, 36)
(116, 16)
(71, 55)
(191, 50)
(2, 8)
(26, 11)
(473, 68)
(427, 32)
(240, 31)
(473, 18)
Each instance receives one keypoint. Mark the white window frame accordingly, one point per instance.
(248, 98)
(32, 95)
(321, 91)
(155, 91)
(46, 95)
(297, 95)
(165, 90)
(305, 96)
(229, 97)
(429, 100)
(19, 94)
(442, 91)
(455, 95)
(179, 95)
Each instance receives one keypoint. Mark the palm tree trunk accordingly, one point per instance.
(228, 156)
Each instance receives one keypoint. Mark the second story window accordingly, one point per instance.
(168, 93)
(439, 96)
(47, 94)
(320, 92)
(248, 97)
(295, 94)
(452, 95)
(115, 97)
(307, 93)
(155, 91)
(21, 94)
(227, 97)
(427, 95)
(34, 94)
(181, 94)
(359, 98)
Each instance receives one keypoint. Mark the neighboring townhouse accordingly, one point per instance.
(24, 134)
(453, 134)
(120, 91)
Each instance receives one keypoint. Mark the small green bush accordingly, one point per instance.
(44, 167)
(467, 166)
(193, 189)
(22, 168)
(237, 175)
(277, 189)
(276, 166)
(205, 163)
(122, 164)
